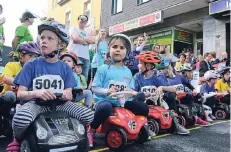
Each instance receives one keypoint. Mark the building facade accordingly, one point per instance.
(173, 25)
(67, 11)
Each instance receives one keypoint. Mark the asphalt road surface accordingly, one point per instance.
(215, 138)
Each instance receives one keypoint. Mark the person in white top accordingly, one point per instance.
(80, 41)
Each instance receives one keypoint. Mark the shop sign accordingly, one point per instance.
(149, 19)
(219, 6)
(163, 40)
(183, 36)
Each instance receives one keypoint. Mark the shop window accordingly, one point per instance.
(68, 20)
(142, 1)
(87, 9)
(117, 6)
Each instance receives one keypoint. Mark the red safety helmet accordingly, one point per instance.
(148, 57)
(71, 55)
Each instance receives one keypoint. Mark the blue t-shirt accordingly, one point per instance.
(142, 81)
(205, 88)
(99, 57)
(39, 74)
(109, 75)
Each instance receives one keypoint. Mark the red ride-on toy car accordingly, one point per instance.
(159, 119)
(221, 110)
(123, 126)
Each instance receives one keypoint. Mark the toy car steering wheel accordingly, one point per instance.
(121, 96)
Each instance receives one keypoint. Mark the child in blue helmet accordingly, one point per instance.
(40, 79)
(109, 76)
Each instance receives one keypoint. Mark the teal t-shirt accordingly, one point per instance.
(110, 75)
(77, 79)
(99, 56)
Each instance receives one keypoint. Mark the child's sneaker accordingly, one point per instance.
(180, 130)
(90, 135)
(201, 122)
(212, 117)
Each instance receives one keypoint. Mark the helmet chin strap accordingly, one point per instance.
(52, 54)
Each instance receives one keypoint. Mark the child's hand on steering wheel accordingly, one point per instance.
(113, 89)
(134, 93)
(44, 94)
(67, 95)
(159, 90)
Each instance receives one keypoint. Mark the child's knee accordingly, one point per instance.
(104, 108)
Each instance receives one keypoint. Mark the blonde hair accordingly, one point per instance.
(169, 71)
(62, 46)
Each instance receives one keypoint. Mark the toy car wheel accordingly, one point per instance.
(181, 120)
(29, 144)
(153, 126)
(143, 135)
(220, 114)
(116, 139)
(84, 147)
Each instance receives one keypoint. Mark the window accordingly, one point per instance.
(87, 9)
(142, 1)
(62, 2)
(68, 20)
(116, 6)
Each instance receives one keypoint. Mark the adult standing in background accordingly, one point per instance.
(2, 37)
(133, 62)
(224, 58)
(22, 33)
(80, 41)
(101, 50)
(205, 65)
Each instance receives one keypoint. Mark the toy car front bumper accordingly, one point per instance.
(80, 145)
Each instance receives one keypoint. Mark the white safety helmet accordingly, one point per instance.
(187, 67)
(211, 74)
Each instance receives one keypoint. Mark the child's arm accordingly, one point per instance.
(84, 82)
(8, 80)
(24, 94)
(103, 91)
(67, 94)
(166, 88)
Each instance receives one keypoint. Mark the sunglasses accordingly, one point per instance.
(83, 19)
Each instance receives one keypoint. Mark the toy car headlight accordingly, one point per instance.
(41, 133)
(81, 129)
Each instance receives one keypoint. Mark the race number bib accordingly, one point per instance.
(120, 85)
(149, 89)
(180, 88)
(52, 82)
